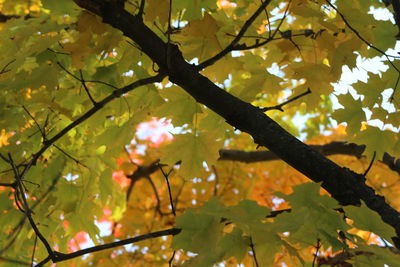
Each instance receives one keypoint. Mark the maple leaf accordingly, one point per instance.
(114, 115)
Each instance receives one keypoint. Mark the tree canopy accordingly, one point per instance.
(199, 133)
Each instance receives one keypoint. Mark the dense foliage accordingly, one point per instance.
(167, 132)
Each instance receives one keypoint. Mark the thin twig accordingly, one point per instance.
(36, 123)
(27, 210)
(4, 158)
(158, 207)
(242, 47)
(34, 249)
(178, 194)
(370, 164)
(115, 94)
(141, 9)
(19, 176)
(232, 45)
(78, 79)
(171, 259)
(4, 69)
(67, 71)
(279, 107)
(362, 38)
(87, 89)
(69, 156)
(268, 21)
(129, 157)
(57, 52)
(317, 247)
(17, 229)
(285, 14)
(169, 188)
(254, 252)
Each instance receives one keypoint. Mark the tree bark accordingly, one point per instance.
(344, 185)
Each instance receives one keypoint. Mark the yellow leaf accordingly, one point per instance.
(192, 150)
(199, 38)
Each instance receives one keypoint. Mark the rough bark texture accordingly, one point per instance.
(344, 185)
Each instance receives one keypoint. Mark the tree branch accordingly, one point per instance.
(346, 186)
(232, 45)
(166, 176)
(26, 209)
(362, 38)
(279, 107)
(63, 257)
(115, 94)
(333, 148)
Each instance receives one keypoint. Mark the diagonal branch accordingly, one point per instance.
(362, 38)
(166, 176)
(115, 94)
(4, 69)
(234, 42)
(20, 192)
(279, 107)
(64, 257)
(346, 186)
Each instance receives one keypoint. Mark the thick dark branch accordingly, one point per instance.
(344, 185)
(234, 42)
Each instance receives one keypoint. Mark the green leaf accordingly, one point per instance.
(246, 211)
(352, 113)
(192, 150)
(179, 105)
(376, 141)
(234, 244)
(368, 220)
(200, 232)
